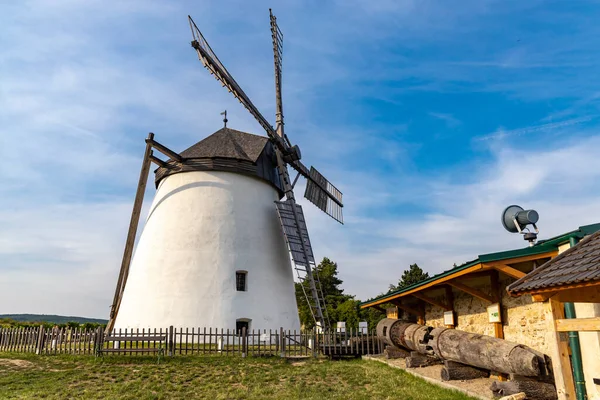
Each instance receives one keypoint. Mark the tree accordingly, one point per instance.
(334, 295)
(410, 276)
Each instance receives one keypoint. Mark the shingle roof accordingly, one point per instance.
(228, 143)
(578, 264)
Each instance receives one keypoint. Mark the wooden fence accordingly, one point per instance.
(172, 341)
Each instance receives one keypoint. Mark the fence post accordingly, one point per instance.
(98, 340)
(171, 340)
(281, 343)
(244, 342)
(40, 341)
(314, 342)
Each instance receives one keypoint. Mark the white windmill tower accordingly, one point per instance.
(215, 250)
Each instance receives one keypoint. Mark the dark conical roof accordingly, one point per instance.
(228, 143)
(228, 150)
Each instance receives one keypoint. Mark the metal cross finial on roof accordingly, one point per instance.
(225, 118)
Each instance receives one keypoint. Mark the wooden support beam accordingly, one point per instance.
(158, 161)
(497, 296)
(585, 292)
(472, 291)
(578, 325)
(429, 300)
(563, 377)
(466, 271)
(133, 225)
(507, 270)
(163, 149)
(541, 297)
(450, 302)
(379, 309)
(411, 310)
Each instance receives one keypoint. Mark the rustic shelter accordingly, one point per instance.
(569, 287)
(472, 297)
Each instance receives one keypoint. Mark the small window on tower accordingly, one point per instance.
(241, 281)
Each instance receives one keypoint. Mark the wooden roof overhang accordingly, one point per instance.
(487, 264)
(450, 278)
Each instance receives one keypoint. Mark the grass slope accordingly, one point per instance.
(196, 377)
(56, 319)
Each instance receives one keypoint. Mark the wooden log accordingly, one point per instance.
(394, 332)
(533, 389)
(392, 352)
(486, 352)
(416, 360)
(454, 371)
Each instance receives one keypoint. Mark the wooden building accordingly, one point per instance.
(472, 297)
(569, 287)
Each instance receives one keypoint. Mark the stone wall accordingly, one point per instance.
(524, 322)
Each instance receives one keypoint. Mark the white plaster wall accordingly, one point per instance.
(201, 229)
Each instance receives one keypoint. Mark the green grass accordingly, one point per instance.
(26, 376)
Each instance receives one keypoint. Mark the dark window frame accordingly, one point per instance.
(241, 281)
(240, 324)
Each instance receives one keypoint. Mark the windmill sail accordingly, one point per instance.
(324, 195)
(277, 37)
(212, 63)
(319, 190)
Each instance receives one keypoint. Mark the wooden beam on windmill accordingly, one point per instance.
(131, 233)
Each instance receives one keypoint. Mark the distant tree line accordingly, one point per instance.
(342, 306)
(11, 323)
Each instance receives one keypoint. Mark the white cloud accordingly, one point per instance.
(464, 220)
(83, 83)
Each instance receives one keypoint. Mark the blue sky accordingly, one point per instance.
(430, 116)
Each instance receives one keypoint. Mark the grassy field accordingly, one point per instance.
(25, 376)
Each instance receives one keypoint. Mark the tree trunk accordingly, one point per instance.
(533, 389)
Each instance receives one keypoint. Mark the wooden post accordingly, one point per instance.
(133, 225)
(314, 341)
(171, 345)
(244, 342)
(450, 302)
(497, 295)
(563, 377)
(40, 341)
(281, 343)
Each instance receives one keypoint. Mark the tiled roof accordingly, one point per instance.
(228, 143)
(578, 264)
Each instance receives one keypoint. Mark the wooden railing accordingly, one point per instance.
(172, 341)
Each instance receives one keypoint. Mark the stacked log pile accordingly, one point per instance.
(469, 356)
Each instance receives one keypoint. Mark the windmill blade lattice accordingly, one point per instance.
(319, 190)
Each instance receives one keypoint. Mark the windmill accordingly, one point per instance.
(218, 224)
(319, 190)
